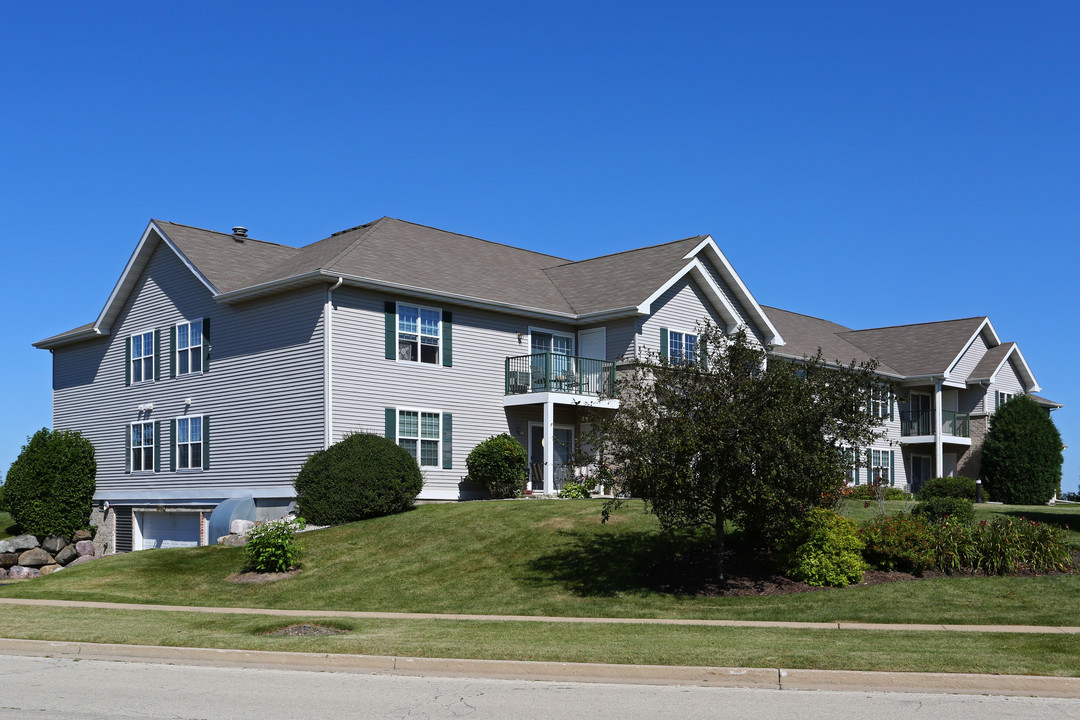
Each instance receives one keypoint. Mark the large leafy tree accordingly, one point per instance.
(734, 436)
(1021, 461)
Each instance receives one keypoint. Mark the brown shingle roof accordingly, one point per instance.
(920, 349)
(227, 264)
(804, 334)
(990, 361)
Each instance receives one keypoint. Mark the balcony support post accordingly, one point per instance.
(939, 461)
(549, 447)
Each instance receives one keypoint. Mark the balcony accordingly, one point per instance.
(916, 423)
(555, 373)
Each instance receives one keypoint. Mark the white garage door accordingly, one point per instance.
(169, 530)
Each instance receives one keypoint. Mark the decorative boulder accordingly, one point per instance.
(24, 542)
(240, 527)
(81, 535)
(50, 569)
(66, 555)
(232, 540)
(6, 547)
(18, 572)
(3, 573)
(53, 544)
(84, 547)
(7, 559)
(35, 557)
(80, 560)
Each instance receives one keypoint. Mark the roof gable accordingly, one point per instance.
(995, 359)
(922, 349)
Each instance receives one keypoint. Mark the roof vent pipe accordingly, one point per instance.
(239, 233)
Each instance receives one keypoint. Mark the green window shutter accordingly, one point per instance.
(663, 342)
(206, 344)
(447, 338)
(869, 466)
(172, 353)
(127, 361)
(172, 445)
(390, 325)
(127, 448)
(157, 354)
(447, 441)
(892, 467)
(391, 424)
(157, 446)
(205, 442)
(891, 399)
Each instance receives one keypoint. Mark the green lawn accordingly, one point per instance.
(8, 527)
(539, 557)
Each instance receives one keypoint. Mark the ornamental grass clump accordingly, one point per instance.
(271, 547)
(1006, 546)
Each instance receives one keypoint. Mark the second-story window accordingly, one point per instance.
(418, 334)
(880, 401)
(142, 357)
(1003, 397)
(142, 447)
(189, 443)
(189, 347)
(682, 347)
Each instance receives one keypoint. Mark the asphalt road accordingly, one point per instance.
(47, 688)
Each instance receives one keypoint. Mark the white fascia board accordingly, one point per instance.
(1025, 369)
(747, 299)
(135, 265)
(726, 309)
(55, 342)
(574, 399)
(985, 325)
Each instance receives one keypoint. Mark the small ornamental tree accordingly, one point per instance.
(362, 476)
(733, 436)
(50, 486)
(500, 464)
(1021, 461)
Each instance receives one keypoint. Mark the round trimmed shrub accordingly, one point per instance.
(362, 476)
(954, 487)
(50, 486)
(824, 549)
(572, 490)
(500, 464)
(935, 509)
(898, 542)
(1021, 461)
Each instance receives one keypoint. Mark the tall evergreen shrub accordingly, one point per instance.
(1021, 462)
(50, 486)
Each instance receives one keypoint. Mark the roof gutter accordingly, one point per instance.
(328, 365)
(60, 340)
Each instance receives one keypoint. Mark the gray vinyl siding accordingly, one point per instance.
(971, 357)
(682, 308)
(621, 336)
(1007, 380)
(365, 383)
(263, 392)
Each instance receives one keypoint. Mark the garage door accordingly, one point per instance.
(169, 530)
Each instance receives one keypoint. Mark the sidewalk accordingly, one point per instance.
(840, 625)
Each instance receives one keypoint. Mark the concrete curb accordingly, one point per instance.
(760, 678)
(374, 615)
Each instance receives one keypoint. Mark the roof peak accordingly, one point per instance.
(623, 252)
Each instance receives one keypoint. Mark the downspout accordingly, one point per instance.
(328, 365)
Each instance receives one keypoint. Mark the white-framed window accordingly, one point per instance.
(880, 401)
(880, 465)
(419, 334)
(142, 357)
(420, 433)
(189, 443)
(189, 347)
(1003, 397)
(142, 447)
(682, 347)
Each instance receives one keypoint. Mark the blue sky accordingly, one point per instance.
(870, 163)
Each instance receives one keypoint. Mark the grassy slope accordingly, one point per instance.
(536, 557)
(8, 527)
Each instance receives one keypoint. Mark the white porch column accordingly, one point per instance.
(939, 461)
(549, 447)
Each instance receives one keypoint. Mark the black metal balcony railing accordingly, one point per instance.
(921, 422)
(552, 372)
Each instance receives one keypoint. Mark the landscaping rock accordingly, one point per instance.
(19, 572)
(3, 573)
(24, 542)
(240, 527)
(80, 560)
(66, 555)
(7, 559)
(50, 569)
(35, 557)
(6, 547)
(84, 547)
(53, 544)
(232, 540)
(82, 535)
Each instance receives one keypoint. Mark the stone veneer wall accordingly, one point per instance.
(105, 537)
(970, 464)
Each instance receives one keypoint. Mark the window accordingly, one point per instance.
(419, 433)
(1004, 397)
(142, 357)
(682, 347)
(189, 443)
(851, 459)
(880, 401)
(418, 334)
(142, 447)
(879, 466)
(189, 347)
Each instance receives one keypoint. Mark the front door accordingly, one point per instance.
(921, 471)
